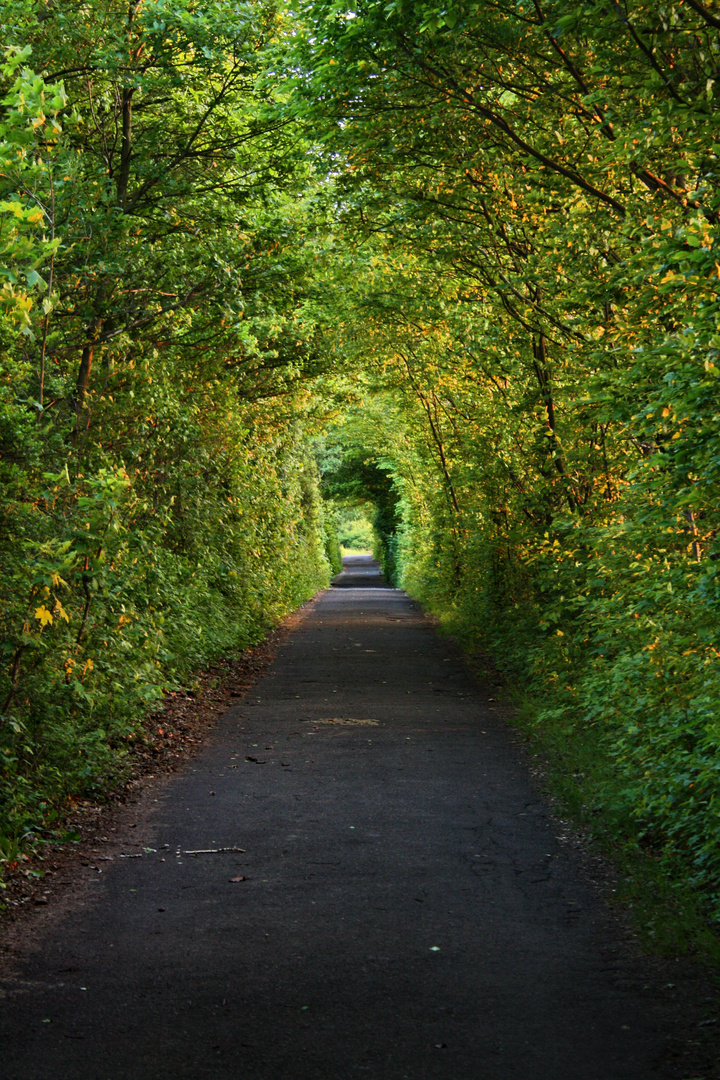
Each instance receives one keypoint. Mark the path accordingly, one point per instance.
(407, 913)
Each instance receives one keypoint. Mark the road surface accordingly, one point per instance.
(405, 910)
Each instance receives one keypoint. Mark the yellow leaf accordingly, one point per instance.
(43, 615)
(60, 610)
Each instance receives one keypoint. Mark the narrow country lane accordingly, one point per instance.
(406, 911)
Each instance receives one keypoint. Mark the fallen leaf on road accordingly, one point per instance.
(257, 762)
(240, 877)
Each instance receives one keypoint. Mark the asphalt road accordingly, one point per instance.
(407, 911)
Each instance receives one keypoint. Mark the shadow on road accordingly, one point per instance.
(360, 572)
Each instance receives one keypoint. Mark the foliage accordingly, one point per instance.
(356, 478)
(355, 531)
